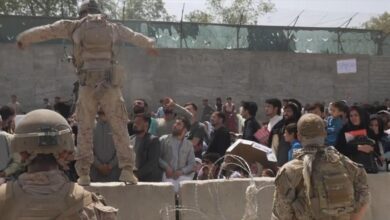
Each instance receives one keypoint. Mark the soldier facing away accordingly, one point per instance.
(100, 79)
(320, 183)
(44, 140)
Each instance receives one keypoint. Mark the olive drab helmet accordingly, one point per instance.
(311, 126)
(42, 132)
(89, 7)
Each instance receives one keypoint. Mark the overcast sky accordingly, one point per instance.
(317, 13)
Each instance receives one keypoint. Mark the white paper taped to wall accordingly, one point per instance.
(346, 66)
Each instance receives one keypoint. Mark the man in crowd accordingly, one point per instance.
(8, 115)
(100, 77)
(177, 154)
(15, 104)
(160, 110)
(61, 107)
(273, 111)
(105, 165)
(140, 106)
(44, 140)
(248, 112)
(387, 104)
(275, 127)
(320, 183)
(207, 111)
(198, 132)
(220, 137)
(210, 167)
(5, 150)
(46, 104)
(318, 109)
(279, 145)
(171, 111)
(147, 150)
(10, 163)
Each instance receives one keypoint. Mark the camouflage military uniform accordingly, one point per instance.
(44, 141)
(320, 183)
(100, 81)
(50, 195)
(289, 199)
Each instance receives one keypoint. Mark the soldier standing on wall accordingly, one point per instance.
(100, 79)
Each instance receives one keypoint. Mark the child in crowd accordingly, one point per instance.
(290, 136)
(209, 168)
(334, 122)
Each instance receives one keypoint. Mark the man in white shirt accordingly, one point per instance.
(273, 110)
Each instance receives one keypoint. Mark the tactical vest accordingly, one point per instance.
(93, 43)
(94, 40)
(65, 204)
(332, 192)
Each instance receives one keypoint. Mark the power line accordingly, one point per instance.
(329, 21)
(323, 17)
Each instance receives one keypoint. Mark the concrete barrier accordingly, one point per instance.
(380, 197)
(223, 199)
(215, 199)
(145, 201)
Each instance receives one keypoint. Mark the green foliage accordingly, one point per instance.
(111, 8)
(115, 9)
(65, 8)
(233, 11)
(199, 16)
(382, 23)
(147, 10)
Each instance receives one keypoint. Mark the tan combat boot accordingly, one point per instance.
(84, 180)
(127, 176)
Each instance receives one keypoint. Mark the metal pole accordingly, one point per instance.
(123, 10)
(181, 26)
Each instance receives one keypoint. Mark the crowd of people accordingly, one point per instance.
(186, 142)
(177, 142)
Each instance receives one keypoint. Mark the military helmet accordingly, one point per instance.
(90, 7)
(42, 132)
(311, 126)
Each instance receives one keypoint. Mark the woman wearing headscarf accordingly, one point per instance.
(357, 141)
(382, 138)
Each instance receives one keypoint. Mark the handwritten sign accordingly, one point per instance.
(346, 66)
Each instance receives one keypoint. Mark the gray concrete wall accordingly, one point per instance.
(215, 199)
(148, 201)
(190, 75)
(225, 199)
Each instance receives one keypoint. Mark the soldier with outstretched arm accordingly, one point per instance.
(100, 79)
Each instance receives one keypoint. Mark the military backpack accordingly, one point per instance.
(331, 187)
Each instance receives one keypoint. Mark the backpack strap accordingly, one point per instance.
(79, 23)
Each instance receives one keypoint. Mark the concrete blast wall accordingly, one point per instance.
(191, 75)
(215, 199)
(142, 201)
(223, 200)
